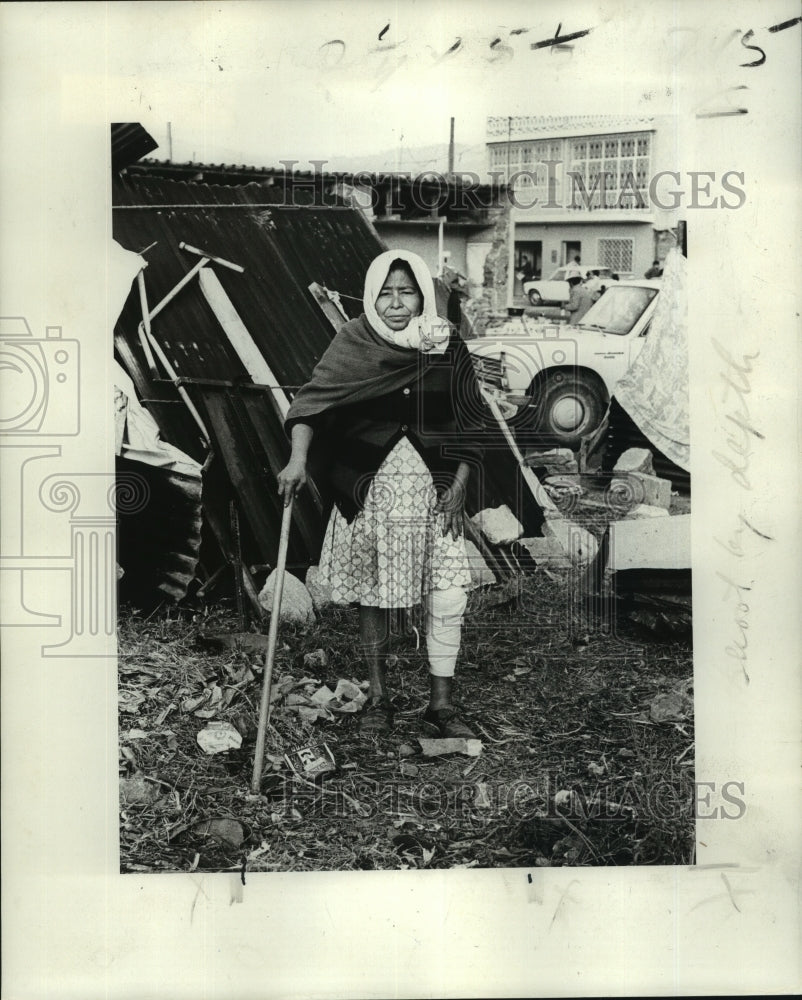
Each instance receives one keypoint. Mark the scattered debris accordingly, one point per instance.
(557, 461)
(311, 762)
(206, 705)
(547, 552)
(348, 697)
(137, 791)
(227, 832)
(316, 660)
(129, 701)
(671, 706)
(246, 642)
(437, 748)
(218, 737)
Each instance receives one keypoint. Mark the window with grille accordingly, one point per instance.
(618, 166)
(616, 254)
(529, 161)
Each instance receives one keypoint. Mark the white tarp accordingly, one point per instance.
(654, 391)
(136, 432)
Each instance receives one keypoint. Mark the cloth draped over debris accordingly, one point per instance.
(654, 392)
(137, 435)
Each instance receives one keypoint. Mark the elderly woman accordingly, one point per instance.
(388, 425)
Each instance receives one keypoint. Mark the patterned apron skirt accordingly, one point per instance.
(393, 552)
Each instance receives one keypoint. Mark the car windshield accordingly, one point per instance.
(558, 275)
(619, 309)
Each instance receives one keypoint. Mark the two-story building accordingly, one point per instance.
(579, 185)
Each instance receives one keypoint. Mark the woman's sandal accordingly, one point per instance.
(445, 724)
(377, 717)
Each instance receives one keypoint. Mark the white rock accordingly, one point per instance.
(296, 603)
(481, 574)
(645, 510)
(635, 460)
(498, 524)
(318, 591)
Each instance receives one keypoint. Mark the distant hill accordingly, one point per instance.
(415, 160)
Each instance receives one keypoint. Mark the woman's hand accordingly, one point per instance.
(291, 479)
(451, 504)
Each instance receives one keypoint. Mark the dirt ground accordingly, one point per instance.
(587, 746)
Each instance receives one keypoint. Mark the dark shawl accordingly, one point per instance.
(358, 384)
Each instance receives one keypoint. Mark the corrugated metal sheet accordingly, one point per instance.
(129, 142)
(159, 542)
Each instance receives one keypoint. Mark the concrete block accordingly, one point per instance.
(577, 542)
(498, 524)
(547, 552)
(556, 461)
(644, 510)
(643, 489)
(635, 460)
(296, 602)
(651, 543)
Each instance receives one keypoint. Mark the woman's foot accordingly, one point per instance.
(376, 718)
(444, 723)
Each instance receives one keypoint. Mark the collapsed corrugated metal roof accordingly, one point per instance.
(283, 250)
(129, 142)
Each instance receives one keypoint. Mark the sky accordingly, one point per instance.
(259, 82)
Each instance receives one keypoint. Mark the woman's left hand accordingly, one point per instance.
(451, 504)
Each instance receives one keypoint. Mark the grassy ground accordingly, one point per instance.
(574, 768)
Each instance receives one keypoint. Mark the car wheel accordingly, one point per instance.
(535, 297)
(567, 406)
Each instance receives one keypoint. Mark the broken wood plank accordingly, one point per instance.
(330, 308)
(240, 339)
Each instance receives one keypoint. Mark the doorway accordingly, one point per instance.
(571, 249)
(527, 264)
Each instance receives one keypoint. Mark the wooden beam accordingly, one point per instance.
(330, 308)
(240, 339)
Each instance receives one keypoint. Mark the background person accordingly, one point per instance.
(579, 300)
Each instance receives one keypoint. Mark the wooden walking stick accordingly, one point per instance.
(272, 638)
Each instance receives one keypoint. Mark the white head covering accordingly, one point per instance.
(427, 332)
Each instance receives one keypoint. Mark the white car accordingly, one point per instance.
(555, 290)
(562, 377)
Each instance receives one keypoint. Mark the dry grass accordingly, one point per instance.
(562, 711)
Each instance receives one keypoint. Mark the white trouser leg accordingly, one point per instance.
(444, 611)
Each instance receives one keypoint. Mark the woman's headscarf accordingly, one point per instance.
(366, 359)
(427, 332)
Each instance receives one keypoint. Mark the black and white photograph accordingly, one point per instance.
(399, 441)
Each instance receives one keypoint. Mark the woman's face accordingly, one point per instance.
(399, 300)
